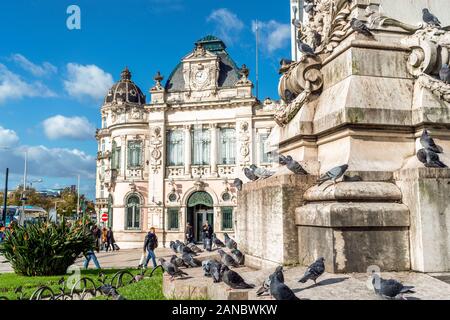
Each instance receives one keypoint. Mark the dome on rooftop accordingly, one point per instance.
(125, 91)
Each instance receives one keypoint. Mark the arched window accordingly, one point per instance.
(133, 213)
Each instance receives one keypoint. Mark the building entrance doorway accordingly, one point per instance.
(200, 210)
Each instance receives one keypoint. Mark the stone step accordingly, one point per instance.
(354, 191)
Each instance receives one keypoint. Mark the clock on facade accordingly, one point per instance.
(201, 76)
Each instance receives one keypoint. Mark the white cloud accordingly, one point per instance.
(228, 25)
(8, 137)
(87, 80)
(49, 162)
(60, 127)
(273, 35)
(37, 70)
(12, 86)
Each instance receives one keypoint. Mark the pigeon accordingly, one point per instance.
(314, 271)
(304, 48)
(226, 259)
(185, 249)
(110, 291)
(194, 248)
(179, 262)
(171, 269)
(266, 285)
(430, 18)
(208, 244)
(444, 73)
(390, 288)
(206, 266)
(289, 96)
(173, 246)
(333, 174)
(229, 243)
(238, 184)
(279, 290)
(190, 260)
(360, 27)
(261, 172)
(217, 242)
(430, 159)
(233, 279)
(250, 175)
(317, 39)
(294, 166)
(309, 8)
(282, 160)
(297, 23)
(238, 256)
(215, 269)
(285, 65)
(428, 143)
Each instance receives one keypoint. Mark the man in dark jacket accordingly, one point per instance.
(207, 235)
(150, 244)
(189, 233)
(110, 240)
(96, 232)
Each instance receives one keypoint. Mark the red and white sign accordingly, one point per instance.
(104, 217)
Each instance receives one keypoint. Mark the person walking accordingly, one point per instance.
(96, 232)
(110, 240)
(189, 233)
(104, 240)
(207, 235)
(90, 254)
(150, 244)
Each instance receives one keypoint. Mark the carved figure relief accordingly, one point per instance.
(155, 147)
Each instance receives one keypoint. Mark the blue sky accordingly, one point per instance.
(52, 79)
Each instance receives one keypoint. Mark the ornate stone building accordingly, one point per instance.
(173, 160)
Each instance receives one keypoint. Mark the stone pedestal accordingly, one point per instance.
(426, 191)
(266, 229)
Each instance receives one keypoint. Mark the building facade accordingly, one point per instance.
(173, 160)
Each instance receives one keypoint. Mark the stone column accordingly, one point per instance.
(187, 150)
(123, 151)
(214, 149)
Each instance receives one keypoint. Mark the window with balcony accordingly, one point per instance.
(134, 154)
(201, 147)
(175, 148)
(265, 155)
(227, 146)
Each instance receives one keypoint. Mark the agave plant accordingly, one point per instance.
(44, 249)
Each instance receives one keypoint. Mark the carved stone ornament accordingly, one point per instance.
(156, 146)
(244, 138)
(302, 80)
(437, 87)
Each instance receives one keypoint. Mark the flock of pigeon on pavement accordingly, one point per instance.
(223, 270)
(274, 284)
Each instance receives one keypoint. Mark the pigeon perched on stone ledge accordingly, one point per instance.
(389, 288)
(227, 260)
(238, 256)
(266, 285)
(261, 172)
(233, 279)
(229, 243)
(444, 74)
(430, 18)
(171, 269)
(428, 143)
(333, 174)
(314, 271)
(217, 242)
(238, 184)
(250, 175)
(294, 166)
(360, 27)
(430, 159)
(305, 48)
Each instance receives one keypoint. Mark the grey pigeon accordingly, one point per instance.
(215, 270)
(206, 266)
(305, 48)
(194, 248)
(360, 27)
(238, 184)
(266, 285)
(317, 39)
(314, 271)
(279, 290)
(297, 23)
(179, 262)
(233, 279)
(226, 259)
(171, 269)
(282, 160)
(430, 18)
(190, 260)
(229, 243)
(182, 248)
(173, 246)
(444, 73)
(294, 166)
(430, 159)
(333, 174)
(428, 143)
(261, 172)
(238, 256)
(390, 288)
(250, 175)
(309, 8)
(217, 242)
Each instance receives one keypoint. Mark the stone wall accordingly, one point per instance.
(266, 229)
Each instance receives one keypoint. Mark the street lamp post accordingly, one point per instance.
(5, 198)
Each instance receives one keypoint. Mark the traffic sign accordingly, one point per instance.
(104, 217)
